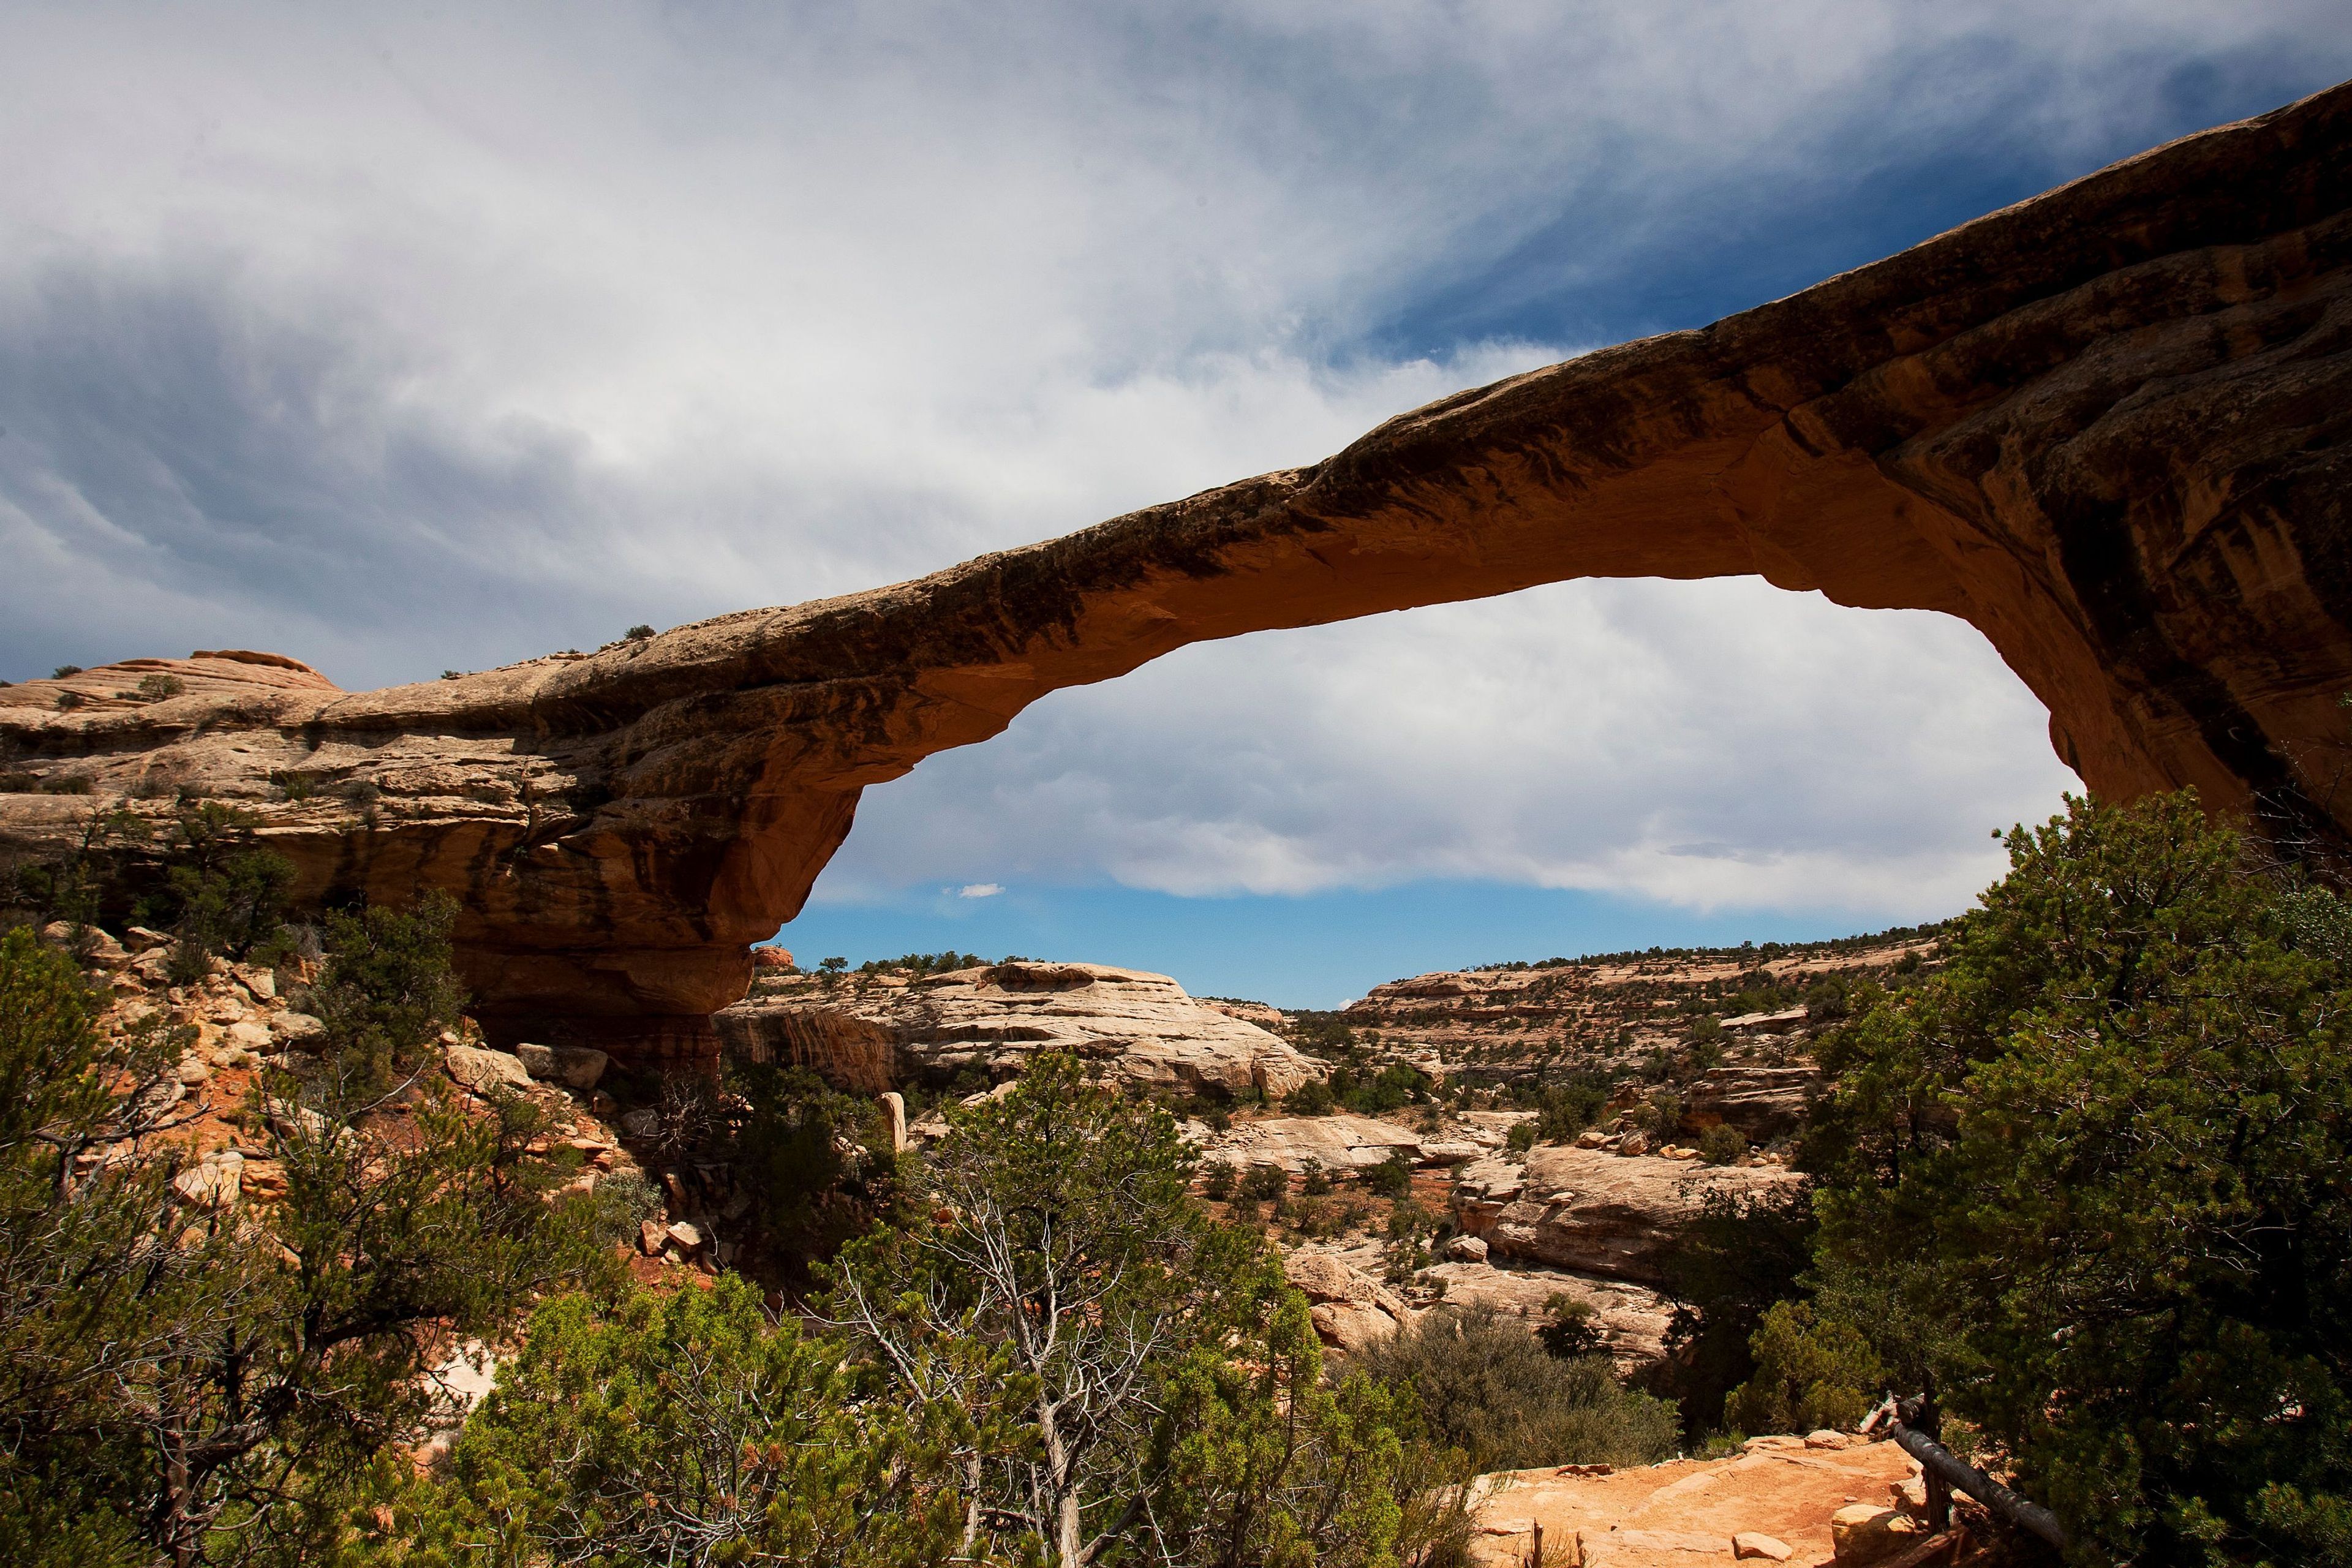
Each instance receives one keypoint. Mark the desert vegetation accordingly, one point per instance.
(2079, 1182)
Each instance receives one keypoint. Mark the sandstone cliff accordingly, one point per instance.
(1592, 1212)
(875, 1032)
(2105, 426)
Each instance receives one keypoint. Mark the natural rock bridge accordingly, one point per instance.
(2104, 426)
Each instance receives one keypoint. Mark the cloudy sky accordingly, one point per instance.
(400, 339)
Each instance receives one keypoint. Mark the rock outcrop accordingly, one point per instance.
(1761, 1102)
(1595, 1212)
(1632, 1319)
(2107, 426)
(1777, 1495)
(1349, 1309)
(1339, 1144)
(877, 1032)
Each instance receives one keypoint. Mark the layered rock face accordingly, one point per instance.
(874, 1033)
(1594, 1213)
(2105, 426)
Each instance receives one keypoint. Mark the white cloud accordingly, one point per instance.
(979, 890)
(1710, 744)
(398, 341)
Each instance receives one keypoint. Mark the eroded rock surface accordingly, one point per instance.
(1592, 1212)
(2105, 426)
(1339, 1143)
(1633, 1319)
(874, 1033)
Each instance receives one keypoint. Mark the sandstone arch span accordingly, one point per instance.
(2105, 426)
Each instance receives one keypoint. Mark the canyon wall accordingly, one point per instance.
(2105, 426)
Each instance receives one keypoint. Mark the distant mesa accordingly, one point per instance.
(2105, 426)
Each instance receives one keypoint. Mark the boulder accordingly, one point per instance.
(1863, 1533)
(574, 1066)
(1349, 1307)
(92, 947)
(894, 1109)
(294, 1028)
(875, 1034)
(1591, 1212)
(483, 1070)
(213, 1181)
(1464, 1249)
(1768, 1548)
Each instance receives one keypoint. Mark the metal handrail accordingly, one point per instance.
(1947, 1472)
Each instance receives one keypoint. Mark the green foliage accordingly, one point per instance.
(2100, 1166)
(224, 894)
(209, 1381)
(1721, 1144)
(64, 670)
(1569, 1330)
(1265, 1465)
(1065, 1273)
(1314, 1181)
(1391, 1178)
(387, 991)
(1810, 1374)
(1737, 1256)
(691, 1427)
(156, 688)
(816, 1162)
(639, 631)
(1312, 1098)
(1321, 1033)
(1376, 1094)
(1521, 1138)
(1563, 1106)
(1486, 1384)
(1217, 1180)
(1264, 1181)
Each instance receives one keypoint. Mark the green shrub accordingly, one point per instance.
(2094, 1178)
(639, 631)
(1486, 1384)
(1312, 1098)
(1808, 1374)
(1262, 1182)
(64, 670)
(1721, 1144)
(1737, 1256)
(1521, 1138)
(1217, 1179)
(1314, 1180)
(1569, 1328)
(157, 687)
(1392, 1177)
(211, 1384)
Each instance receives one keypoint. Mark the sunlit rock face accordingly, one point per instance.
(2105, 426)
(877, 1032)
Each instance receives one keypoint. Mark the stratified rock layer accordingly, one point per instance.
(2105, 426)
(877, 1034)
(1597, 1212)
